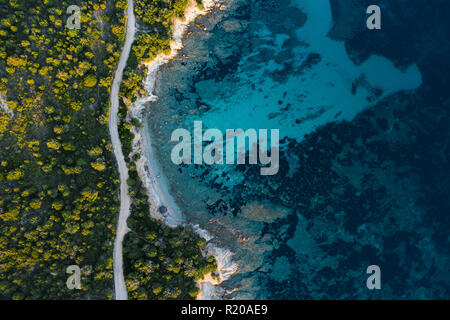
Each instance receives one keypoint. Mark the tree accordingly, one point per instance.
(90, 81)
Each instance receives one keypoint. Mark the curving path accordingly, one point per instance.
(122, 228)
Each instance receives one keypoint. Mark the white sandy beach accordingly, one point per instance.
(150, 172)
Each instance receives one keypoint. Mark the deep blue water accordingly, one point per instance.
(364, 175)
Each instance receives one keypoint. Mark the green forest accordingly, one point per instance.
(160, 262)
(58, 177)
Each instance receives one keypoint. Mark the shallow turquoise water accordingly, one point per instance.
(312, 96)
(311, 230)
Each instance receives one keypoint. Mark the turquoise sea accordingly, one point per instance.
(348, 193)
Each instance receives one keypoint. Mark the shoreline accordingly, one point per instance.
(252, 254)
(148, 168)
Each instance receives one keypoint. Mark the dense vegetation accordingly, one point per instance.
(58, 181)
(160, 262)
(156, 17)
(58, 177)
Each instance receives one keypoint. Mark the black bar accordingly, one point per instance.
(229, 309)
